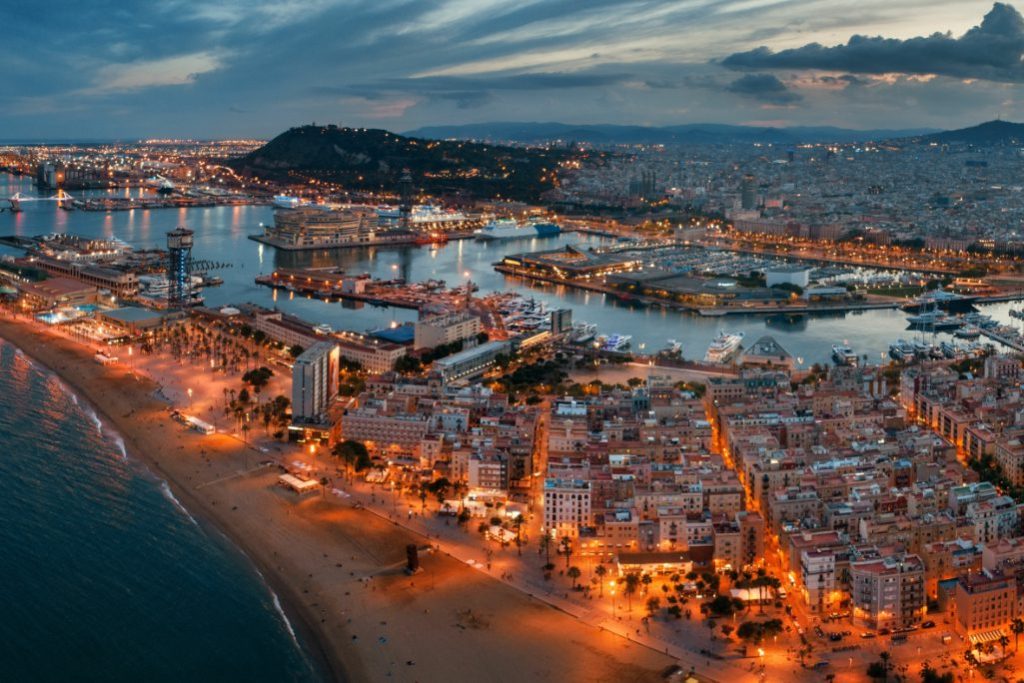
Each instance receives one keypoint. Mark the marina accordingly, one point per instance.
(221, 237)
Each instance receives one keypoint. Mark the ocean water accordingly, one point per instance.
(103, 575)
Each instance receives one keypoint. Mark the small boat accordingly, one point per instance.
(843, 355)
(323, 328)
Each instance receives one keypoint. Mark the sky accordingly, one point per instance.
(99, 69)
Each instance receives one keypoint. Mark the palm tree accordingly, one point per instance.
(1017, 626)
(574, 573)
(545, 547)
(1004, 642)
(566, 549)
(600, 571)
(645, 579)
(631, 584)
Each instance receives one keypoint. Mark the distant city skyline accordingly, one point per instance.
(188, 68)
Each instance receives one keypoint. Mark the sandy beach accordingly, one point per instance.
(337, 569)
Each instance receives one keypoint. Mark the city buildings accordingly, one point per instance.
(433, 331)
(314, 383)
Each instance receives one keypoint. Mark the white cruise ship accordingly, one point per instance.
(724, 347)
(508, 228)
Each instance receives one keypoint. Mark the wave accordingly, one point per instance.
(119, 442)
(284, 617)
(169, 495)
(95, 419)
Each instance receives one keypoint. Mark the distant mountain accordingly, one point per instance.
(694, 133)
(984, 134)
(370, 159)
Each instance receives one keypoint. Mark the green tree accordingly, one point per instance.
(353, 454)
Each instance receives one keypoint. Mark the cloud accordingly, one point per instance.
(990, 51)
(178, 70)
(763, 87)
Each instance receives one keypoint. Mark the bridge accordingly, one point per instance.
(16, 200)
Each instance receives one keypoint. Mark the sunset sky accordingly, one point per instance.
(113, 69)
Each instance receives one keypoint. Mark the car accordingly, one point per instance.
(928, 624)
(835, 637)
(867, 634)
(883, 631)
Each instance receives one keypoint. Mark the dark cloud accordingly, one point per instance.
(991, 51)
(763, 87)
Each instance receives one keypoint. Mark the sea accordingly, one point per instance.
(103, 575)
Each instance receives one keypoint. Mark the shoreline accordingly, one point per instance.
(337, 569)
(310, 641)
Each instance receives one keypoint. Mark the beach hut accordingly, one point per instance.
(300, 486)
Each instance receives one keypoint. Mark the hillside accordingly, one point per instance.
(985, 134)
(694, 133)
(369, 159)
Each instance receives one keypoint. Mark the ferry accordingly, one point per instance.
(615, 342)
(901, 350)
(723, 348)
(843, 355)
(509, 228)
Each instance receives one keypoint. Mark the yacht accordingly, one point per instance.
(968, 332)
(949, 350)
(901, 350)
(935, 320)
(673, 349)
(723, 348)
(615, 342)
(582, 332)
(843, 355)
(1017, 313)
(323, 328)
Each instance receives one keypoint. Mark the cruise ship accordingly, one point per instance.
(424, 216)
(508, 228)
(321, 226)
(723, 348)
(842, 354)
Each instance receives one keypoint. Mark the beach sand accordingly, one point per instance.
(338, 570)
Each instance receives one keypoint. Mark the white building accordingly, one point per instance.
(787, 275)
(315, 382)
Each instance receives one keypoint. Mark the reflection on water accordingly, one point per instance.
(221, 235)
